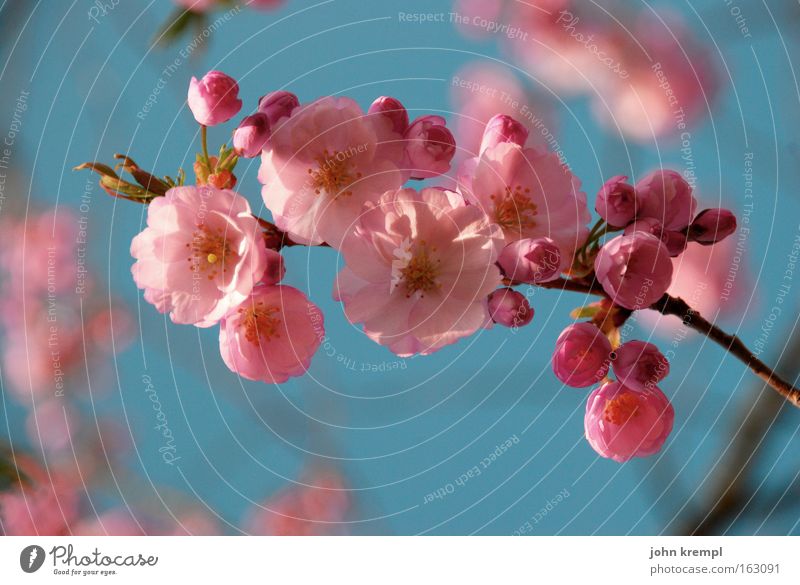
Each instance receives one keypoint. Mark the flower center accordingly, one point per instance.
(207, 249)
(333, 175)
(260, 323)
(513, 209)
(420, 270)
(621, 408)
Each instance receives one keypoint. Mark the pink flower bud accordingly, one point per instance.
(430, 147)
(275, 270)
(674, 241)
(197, 5)
(582, 355)
(616, 202)
(639, 365)
(393, 110)
(502, 128)
(712, 226)
(251, 135)
(666, 196)
(509, 308)
(531, 260)
(622, 423)
(277, 105)
(635, 270)
(214, 99)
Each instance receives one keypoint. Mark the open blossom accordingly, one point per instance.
(529, 193)
(323, 163)
(200, 254)
(509, 308)
(214, 99)
(272, 335)
(582, 355)
(639, 365)
(430, 147)
(251, 135)
(419, 267)
(622, 423)
(635, 270)
(666, 196)
(616, 202)
(532, 261)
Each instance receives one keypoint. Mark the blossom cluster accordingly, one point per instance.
(423, 268)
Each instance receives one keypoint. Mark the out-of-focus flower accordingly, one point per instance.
(616, 202)
(622, 423)
(529, 194)
(419, 267)
(430, 147)
(532, 261)
(582, 355)
(251, 135)
(197, 5)
(114, 522)
(200, 255)
(635, 270)
(323, 163)
(272, 335)
(666, 196)
(214, 98)
(509, 308)
(639, 365)
(712, 226)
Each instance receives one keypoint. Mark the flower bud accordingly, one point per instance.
(277, 105)
(275, 270)
(673, 240)
(531, 260)
(393, 110)
(251, 135)
(430, 147)
(509, 308)
(712, 226)
(666, 196)
(616, 202)
(622, 422)
(214, 99)
(639, 365)
(502, 128)
(634, 270)
(581, 357)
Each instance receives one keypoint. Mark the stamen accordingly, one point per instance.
(513, 209)
(333, 175)
(621, 408)
(260, 323)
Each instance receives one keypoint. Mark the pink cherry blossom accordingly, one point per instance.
(419, 267)
(214, 99)
(275, 268)
(529, 194)
(712, 226)
(622, 423)
(430, 147)
(509, 308)
(582, 355)
(277, 105)
(323, 163)
(635, 270)
(616, 202)
(666, 196)
(393, 110)
(200, 255)
(532, 261)
(503, 128)
(114, 522)
(675, 241)
(251, 135)
(272, 335)
(639, 365)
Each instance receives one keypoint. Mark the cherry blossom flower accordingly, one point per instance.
(639, 365)
(582, 355)
(214, 98)
(200, 255)
(430, 147)
(272, 335)
(509, 308)
(419, 267)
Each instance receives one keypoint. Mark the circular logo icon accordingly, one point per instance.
(31, 558)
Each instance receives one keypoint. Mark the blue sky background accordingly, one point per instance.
(418, 425)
